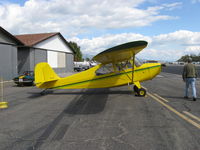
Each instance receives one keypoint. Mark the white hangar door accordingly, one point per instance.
(56, 59)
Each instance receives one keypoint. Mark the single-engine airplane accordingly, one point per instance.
(117, 67)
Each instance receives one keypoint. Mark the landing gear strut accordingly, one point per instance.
(44, 92)
(139, 92)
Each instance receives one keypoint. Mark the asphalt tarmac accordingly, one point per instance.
(102, 119)
(177, 69)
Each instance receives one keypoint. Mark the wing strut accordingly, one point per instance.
(125, 72)
(133, 65)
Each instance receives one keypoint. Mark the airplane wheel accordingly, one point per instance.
(141, 92)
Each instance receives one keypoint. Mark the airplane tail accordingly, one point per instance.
(44, 74)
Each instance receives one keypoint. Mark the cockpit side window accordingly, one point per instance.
(129, 65)
(105, 69)
(119, 66)
(124, 65)
(137, 62)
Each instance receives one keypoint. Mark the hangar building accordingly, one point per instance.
(8, 54)
(22, 52)
(45, 47)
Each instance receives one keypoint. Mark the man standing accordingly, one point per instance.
(189, 77)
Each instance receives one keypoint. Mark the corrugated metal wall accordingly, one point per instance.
(23, 59)
(37, 56)
(70, 62)
(8, 61)
(29, 57)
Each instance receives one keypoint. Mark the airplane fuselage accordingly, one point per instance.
(90, 78)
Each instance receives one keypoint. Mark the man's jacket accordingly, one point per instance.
(189, 71)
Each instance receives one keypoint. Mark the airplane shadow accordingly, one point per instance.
(88, 101)
(38, 94)
(91, 101)
(87, 92)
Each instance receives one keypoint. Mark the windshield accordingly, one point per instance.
(128, 64)
(138, 62)
(120, 66)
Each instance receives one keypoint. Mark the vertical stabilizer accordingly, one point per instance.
(44, 73)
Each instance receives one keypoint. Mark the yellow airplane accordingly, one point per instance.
(117, 67)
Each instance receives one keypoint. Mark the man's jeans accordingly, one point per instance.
(190, 81)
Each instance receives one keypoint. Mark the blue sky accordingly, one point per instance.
(187, 19)
(172, 27)
(21, 2)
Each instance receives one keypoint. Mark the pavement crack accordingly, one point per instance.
(186, 107)
(123, 133)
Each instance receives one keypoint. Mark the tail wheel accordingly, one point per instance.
(141, 92)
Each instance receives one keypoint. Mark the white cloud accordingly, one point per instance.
(98, 44)
(195, 1)
(193, 49)
(172, 6)
(74, 17)
(162, 47)
(181, 36)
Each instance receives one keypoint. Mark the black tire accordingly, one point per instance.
(28, 83)
(141, 92)
(135, 88)
(20, 84)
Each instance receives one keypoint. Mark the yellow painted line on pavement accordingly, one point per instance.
(144, 88)
(192, 116)
(175, 111)
(160, 97)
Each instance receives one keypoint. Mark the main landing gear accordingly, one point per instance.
(139, 91)
(46, 91)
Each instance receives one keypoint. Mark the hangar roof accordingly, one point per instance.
(11, 36)
(33, 39)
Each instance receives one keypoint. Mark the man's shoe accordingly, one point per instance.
(186, 97)
(194, 99)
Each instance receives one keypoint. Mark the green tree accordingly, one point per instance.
(195, 58)
(184, 58)
(78, 54)
(87, 59)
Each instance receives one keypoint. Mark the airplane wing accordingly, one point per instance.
(121, 52)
